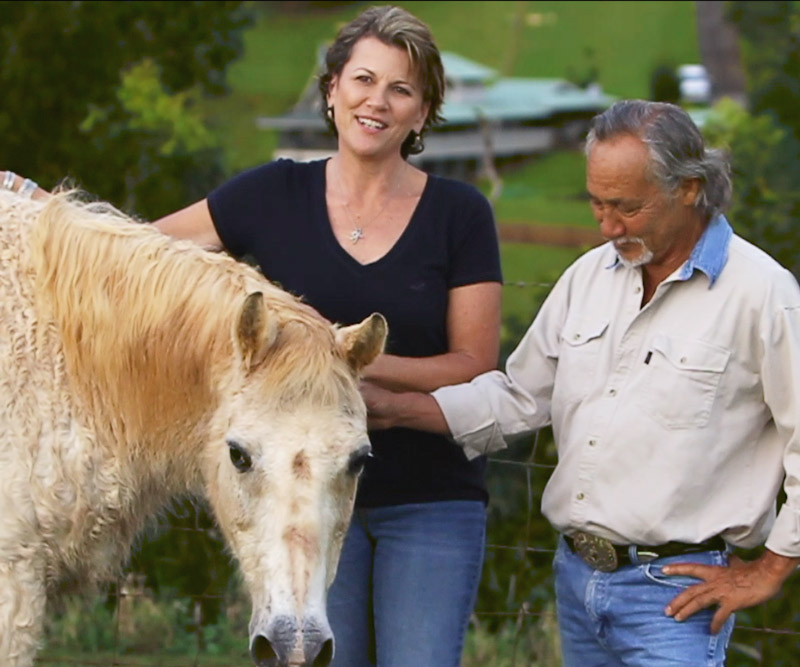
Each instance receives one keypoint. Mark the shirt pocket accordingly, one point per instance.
(579, 356)
(683, 379)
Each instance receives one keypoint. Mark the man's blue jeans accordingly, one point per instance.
(617, 619)
(406, 584)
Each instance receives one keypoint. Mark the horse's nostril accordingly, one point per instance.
(262, 650)
(325, 654)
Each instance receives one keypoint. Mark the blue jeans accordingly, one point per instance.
(406, 584)
(617, 619)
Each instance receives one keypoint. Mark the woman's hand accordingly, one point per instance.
(379, 405)
(409, 409)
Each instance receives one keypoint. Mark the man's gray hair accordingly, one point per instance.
(677, 150)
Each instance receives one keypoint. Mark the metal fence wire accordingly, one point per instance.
(137, 623)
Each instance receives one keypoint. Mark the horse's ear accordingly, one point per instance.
(362, 343)
(256, 331)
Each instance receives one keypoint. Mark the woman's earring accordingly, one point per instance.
(417, 146)
(329, 113)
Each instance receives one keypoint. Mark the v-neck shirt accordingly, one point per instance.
(277, 214)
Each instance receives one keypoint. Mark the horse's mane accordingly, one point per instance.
(148, 321)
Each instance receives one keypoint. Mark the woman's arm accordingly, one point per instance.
(473, 331)
(193, 223)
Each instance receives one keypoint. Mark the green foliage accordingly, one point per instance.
(770, 31)
(152, 109)
(764, 144)
(136, 621)
(102, 92)
(529, 641)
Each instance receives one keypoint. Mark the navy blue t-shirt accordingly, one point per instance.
(277, 214)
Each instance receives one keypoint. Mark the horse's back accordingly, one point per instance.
(48, 467)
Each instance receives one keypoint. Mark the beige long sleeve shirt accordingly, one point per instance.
(673, 421)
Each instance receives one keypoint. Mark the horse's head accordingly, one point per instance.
(282, 470)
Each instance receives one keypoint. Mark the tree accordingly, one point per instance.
(105, 93)
(765, 143)
(765, 199)
(771, 52)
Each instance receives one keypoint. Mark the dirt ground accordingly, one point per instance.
(555, 235)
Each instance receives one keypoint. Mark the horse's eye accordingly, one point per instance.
(358, 460)
(239, 457)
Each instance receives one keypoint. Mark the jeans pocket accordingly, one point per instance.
(655, 574)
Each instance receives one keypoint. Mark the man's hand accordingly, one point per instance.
(378, 400)
(738, 585)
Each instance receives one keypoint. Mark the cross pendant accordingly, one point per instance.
(357, 234)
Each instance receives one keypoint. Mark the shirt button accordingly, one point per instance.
(592, 443)
(638, 289)
(580, 496)
(683, 360)
(612, 392)
(576, 337)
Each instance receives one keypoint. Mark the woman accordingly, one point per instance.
(364, 231)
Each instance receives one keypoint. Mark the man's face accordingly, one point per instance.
(647, 225)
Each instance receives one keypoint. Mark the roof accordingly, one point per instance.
(476, 91)
(460, 69)
(524, 99)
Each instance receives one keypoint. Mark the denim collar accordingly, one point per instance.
(711, 252)
(709, 255)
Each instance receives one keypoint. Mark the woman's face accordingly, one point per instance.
(377, 99)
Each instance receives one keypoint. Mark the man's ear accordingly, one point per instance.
(690, 191)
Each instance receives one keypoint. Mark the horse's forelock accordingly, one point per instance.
(302, 368)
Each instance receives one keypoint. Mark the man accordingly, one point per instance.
(668, 363)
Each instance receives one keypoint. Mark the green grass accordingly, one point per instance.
(529, 271)
(548, 189)
(625, 41)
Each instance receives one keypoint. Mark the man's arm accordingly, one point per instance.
(739, 585)
(745, 584)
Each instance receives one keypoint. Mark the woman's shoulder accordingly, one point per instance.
(451, 186)
(279, 174)
(456, 194)
(290, 167)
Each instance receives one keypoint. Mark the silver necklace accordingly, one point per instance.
(358, 230)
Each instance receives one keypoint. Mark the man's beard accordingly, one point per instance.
(645, 257)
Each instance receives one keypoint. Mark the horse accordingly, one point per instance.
(136, 369)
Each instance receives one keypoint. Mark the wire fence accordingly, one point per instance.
(131, 624)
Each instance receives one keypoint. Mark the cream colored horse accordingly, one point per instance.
(134, 368)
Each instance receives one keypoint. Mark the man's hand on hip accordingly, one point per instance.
(738, 585)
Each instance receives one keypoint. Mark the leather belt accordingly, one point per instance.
(601, 554)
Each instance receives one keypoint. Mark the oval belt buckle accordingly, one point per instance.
(596, 552)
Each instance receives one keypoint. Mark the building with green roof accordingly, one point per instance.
(487, 117)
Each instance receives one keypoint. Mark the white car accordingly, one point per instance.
(695, 84)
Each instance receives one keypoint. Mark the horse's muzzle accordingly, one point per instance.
(277, 645)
